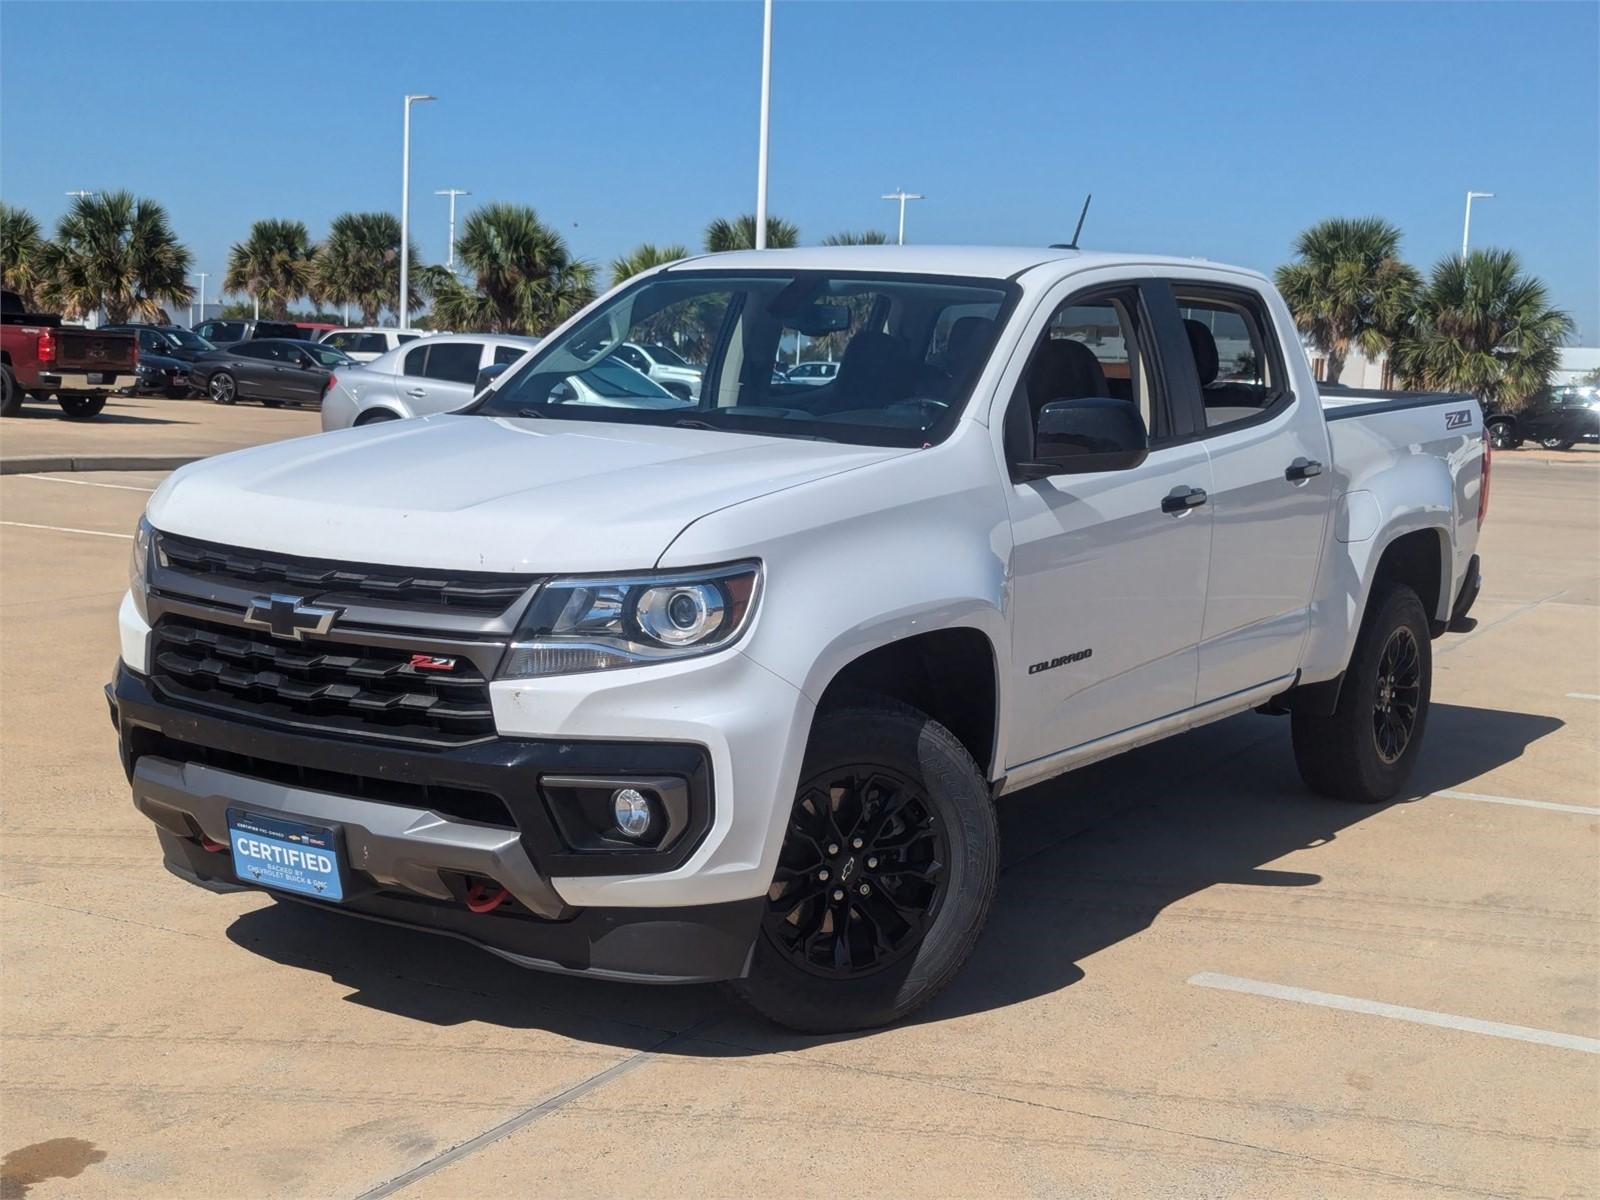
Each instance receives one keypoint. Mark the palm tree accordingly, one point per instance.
(114, 251)
(867, 237)
(20, 240)
(525, 278)
(360, 264)
(274, 265)
(740, 234)
(1484, 327)
(1348, 287)
(643, 258)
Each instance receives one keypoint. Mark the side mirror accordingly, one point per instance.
(1095, 433)
(488, 375)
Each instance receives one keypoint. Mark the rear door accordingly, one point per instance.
(439, 376)
(1271, 484)
(1108, 574)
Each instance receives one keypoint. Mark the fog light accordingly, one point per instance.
(631, 811)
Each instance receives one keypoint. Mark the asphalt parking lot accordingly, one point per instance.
(1199, 980)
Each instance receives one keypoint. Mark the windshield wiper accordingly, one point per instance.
(532, 412)
(697, 423)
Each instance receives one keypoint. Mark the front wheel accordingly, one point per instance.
(222, 388)
(81, 408)
(1365, 750)
(1503, 435)
(885, 878)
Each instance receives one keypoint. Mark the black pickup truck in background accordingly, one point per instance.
(40, 358)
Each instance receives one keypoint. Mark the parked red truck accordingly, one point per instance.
(40, 357)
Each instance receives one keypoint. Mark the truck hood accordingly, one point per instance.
(487, 494)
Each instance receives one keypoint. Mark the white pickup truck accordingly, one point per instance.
(729, 691)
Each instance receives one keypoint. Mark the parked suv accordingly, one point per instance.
(222, 332)
(368, 343)
(732, 689)
(1557, 418)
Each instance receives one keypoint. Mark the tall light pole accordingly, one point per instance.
(450, 260)
(403, 309)
(766, 109)
(82, 195)
(192, 321)
(1466, 225)
(902, 195)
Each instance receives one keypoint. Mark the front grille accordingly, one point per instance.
(362, 690)
(466, 804)
(396, 587)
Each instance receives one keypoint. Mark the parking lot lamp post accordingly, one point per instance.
(1466, 225)
(766, 109)
(202, 276)
(902, 195)
(402, 309)
(450, 257)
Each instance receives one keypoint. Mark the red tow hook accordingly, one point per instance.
(481, 900)
(215, 847)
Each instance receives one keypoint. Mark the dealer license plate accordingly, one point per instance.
(279, 853)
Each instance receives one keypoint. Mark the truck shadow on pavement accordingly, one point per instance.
(47, 411)
(1090, 860)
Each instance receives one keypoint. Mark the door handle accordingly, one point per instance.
(418, 392)
(1181, 499)
(1302, 469)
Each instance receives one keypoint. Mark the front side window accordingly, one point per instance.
(1235, 358)
(891, 386)
(223, 331)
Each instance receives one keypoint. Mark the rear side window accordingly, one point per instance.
(452, 362)
(415, 361)
(255, 350)
(400, 339)
(1236, 356)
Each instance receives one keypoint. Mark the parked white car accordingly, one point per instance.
(812, 374)
(434, 374)
(732, 690)
(369, 342)
(663, 364)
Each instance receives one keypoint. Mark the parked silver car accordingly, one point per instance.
(664, 365)
(435, 374)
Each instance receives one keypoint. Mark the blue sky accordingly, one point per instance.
(1202, 129)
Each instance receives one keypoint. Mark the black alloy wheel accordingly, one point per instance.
(1394, 709)
(862, 873)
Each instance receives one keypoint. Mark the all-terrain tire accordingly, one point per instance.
(82, 408)
(1365, 750)
(10, 393)
(915, 754)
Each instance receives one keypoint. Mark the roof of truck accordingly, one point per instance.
(995, 262)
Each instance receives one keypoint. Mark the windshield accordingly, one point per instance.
(188, 340)
(665, 355)
(909, 349)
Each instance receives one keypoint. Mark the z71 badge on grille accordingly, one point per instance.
(429, 662)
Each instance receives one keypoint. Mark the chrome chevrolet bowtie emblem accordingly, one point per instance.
(289, 616)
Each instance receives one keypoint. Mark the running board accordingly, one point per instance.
(1050, 765)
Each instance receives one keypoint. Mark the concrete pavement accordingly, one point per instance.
(162, 1041)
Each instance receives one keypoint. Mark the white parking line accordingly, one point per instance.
(1397, 1012)
(121, 487)
(127, 537)
(1571, 808)
(1582, 696)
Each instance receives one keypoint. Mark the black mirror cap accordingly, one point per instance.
(488, 375)
(1093, 433)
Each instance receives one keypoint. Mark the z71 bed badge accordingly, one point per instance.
(1455, 420)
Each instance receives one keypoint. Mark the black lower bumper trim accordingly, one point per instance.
(1470, 587)
(697, 944)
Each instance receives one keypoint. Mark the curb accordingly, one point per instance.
(41, 463)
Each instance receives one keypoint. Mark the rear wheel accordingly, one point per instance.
(1365, 750)
(222, 388)
(81, 408)
(10, 393)
(1503, 435)
(886, 875)
(1556, 443)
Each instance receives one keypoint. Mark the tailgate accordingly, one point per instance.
(94, 350)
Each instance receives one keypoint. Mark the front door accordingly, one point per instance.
(1108, 587)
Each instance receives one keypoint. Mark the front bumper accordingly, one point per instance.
(410, 862)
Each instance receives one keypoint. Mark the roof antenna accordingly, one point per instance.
(1073, 244)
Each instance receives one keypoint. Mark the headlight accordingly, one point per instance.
(139, 564)
(597, 622)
